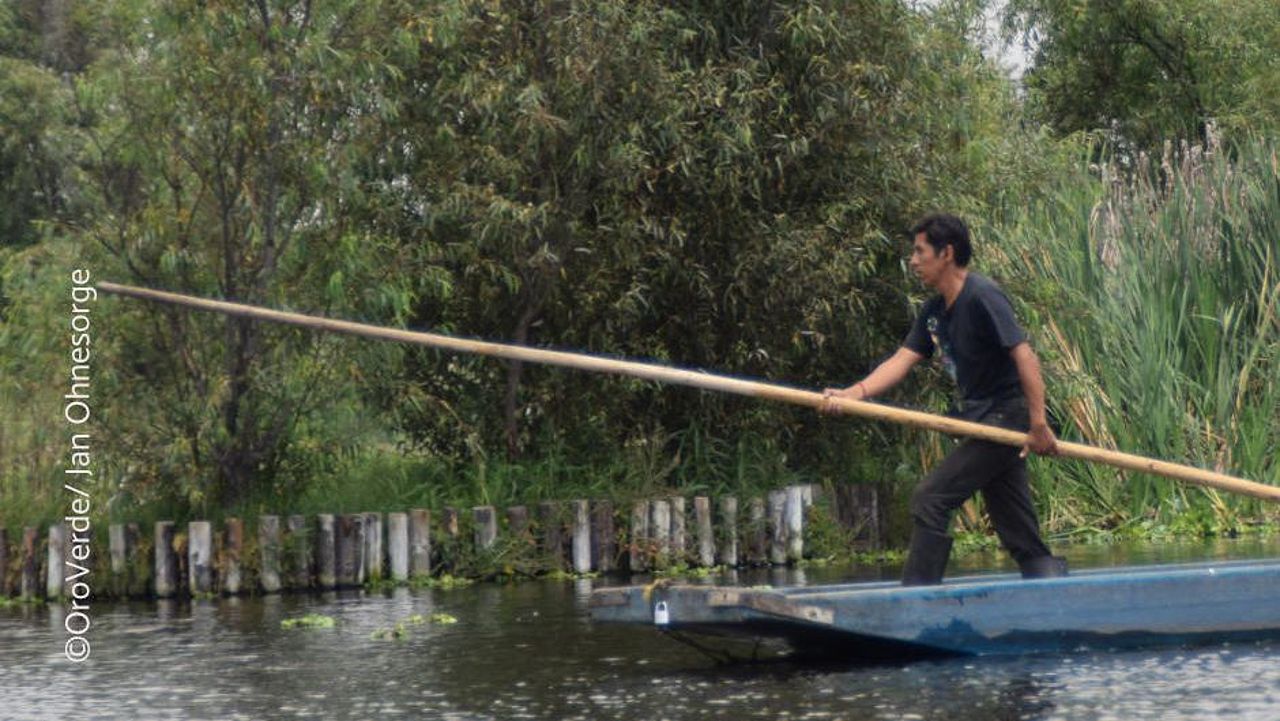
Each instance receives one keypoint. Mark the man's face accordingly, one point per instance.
(927, 264)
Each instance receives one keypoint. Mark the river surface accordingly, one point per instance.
(527, 651)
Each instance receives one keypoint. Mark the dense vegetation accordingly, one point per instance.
(720, 185)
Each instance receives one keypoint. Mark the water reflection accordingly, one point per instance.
(527, 650)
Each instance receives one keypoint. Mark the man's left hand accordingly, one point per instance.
(1040, 440)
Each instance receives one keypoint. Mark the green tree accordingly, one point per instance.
(716, 184)
(222, 146)
(1146, 71)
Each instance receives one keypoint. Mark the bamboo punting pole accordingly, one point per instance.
(708, 381)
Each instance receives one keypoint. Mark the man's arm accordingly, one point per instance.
(886, 375)
(1040, 438)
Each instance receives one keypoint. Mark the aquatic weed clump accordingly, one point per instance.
(311, 620)
(401, 629)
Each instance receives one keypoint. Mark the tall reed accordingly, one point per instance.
(1154, 289)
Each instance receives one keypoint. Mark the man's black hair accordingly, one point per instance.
(943, 229)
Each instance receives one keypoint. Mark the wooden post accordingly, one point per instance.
(349, 548)
(55, 568)
(298, 553)
(233, 554)
(398, 546)
(638, 548)
(116, 552)
(729, 531)
(581, 537)
(757, 532)
(200, 557)
(449, 522)
(29, 586)
(180, 559)
(486, 530)
(447, 551)
(325, 552)
(706, 542)
(660, 531)
(777, 527)
(166, 561)
(857, 508)
(604, 541)
(374, 558)
(419, 542)
(679, 537)
(269, 553)
(139, 569)
(795, 506)
(552, 546)
(4, 562)
(518, 521)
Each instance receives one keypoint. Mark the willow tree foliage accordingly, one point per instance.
(1147, 71)
(220, 144)
(714, 184)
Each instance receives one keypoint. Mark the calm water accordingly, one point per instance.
(527, 651)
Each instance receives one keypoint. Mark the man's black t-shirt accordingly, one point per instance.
(974, 337)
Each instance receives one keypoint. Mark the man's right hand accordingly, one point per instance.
(829, 407)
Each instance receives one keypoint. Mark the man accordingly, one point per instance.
(971, 324)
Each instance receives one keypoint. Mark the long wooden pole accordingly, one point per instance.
(708, 381)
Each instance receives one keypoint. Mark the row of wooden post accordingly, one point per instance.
(345, 551)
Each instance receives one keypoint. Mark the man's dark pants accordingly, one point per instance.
(1001, 475)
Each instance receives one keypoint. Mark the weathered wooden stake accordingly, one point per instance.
(486, 530)
(29, 585)
(4, 562)
(660, 531)
(449, 521)
(419, 542)
(55, 568)
(518, 522)
(269, 553)
(450, 544)
(757, 532)
(777, 527)
(679, 536)
(795, 522)
(398, 546)
(325, 552)
(140, 571)
(729, 531)
(374, 559)
(706, 542)
(233, 554)
(298, 561)
(581, 537)
(638, 548)
(200, 557)
(349, 547)
(857, 508)
(166, 561)
(552, 546)
(604, 540)
(116, 550)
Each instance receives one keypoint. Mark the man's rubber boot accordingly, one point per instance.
(1044, 567)
(926, 559)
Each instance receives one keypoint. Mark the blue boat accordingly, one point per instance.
(1100, 609)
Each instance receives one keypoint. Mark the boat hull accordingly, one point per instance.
(992, 615)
